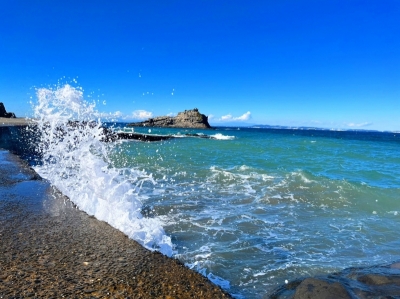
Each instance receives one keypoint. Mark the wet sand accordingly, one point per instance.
(50, 249)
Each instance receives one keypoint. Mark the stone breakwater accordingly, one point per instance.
(50, 249)
(187, 119)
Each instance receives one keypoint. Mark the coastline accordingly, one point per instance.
(52, 249)
(44, 232)
(20, 121)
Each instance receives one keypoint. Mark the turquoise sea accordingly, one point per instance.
(251, 209)
(267, 205)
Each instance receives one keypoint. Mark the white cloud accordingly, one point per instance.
(117, 114)
(226, 117)
(359, 125)
(141, 114)
(244, 117)
(229, 117)
(120, 116)
(108, 115)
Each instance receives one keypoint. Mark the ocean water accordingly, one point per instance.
(250, 209)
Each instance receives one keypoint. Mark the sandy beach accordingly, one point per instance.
(50, 249)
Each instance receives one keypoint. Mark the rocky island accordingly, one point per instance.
(192, 119)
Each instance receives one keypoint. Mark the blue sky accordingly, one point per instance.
(332, 64)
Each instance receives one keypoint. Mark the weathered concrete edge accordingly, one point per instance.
(26, 168)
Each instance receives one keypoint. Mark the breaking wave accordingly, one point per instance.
(76, 161)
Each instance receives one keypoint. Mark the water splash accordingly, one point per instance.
(76, 161)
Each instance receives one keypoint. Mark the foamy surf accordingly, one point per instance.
(220, 136)
(217, 136)
(251, 213)
(77, 163)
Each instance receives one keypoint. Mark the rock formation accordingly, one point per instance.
(379, 281)
(4, 113)
(187, 119)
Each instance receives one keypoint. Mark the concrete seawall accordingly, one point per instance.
(50, 249)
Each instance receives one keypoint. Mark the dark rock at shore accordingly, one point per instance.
(380, 281)
(136, 136)
(4, 113)
(316, 288)
(187, 119)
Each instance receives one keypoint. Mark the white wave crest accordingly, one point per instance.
(220, 136)
(75, 160)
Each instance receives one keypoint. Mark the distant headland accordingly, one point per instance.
(4, 113)
(188, 119)
(8, 119)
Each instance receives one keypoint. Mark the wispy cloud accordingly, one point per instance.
(110, 115)
(119, 116)
(359, 125)
(141, 114)
(226, 117)
(244, 117)
(229, 117)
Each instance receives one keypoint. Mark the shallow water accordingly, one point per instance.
(250, 209)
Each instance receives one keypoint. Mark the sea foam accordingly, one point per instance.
(220, 136)
(76, 161)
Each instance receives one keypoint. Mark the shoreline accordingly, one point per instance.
(52, 249)
(19, 121)
(32, 212)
